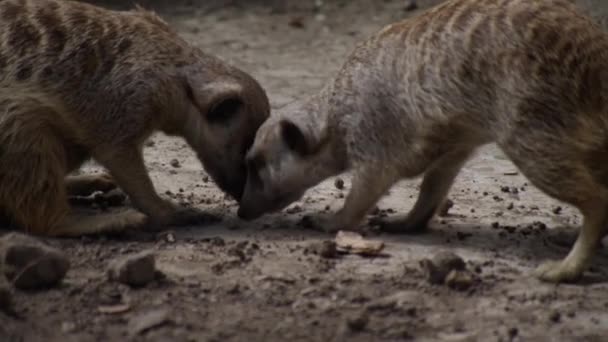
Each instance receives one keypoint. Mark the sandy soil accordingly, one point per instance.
(262, 281)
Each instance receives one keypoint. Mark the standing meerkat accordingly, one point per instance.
(79, 82)
(421, 95)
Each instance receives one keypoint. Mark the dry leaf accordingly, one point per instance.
(148, 320)
(352, 242)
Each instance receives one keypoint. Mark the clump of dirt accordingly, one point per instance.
(29, 264)
(135, 270)
(442, 264)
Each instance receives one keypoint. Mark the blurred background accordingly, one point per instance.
(292, 46)
(598, 8)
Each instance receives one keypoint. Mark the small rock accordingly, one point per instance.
(557, 210)
(459, 280)
(148, 320)
(513, 332)
(555, 317)
(327, 249)
(175, 163)
(339, 183)
(445, 208)
(463, 236)
(296, 22)
(68, 327)
(134, 270)
(358, 323)
(411, 5)
(29, 264)
(441, 265)
(167, 236)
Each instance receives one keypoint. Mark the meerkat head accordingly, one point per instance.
(223, 116)
(291, 153)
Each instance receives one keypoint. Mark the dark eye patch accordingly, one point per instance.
(224, 111)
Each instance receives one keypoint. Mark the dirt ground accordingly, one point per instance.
(263, 281)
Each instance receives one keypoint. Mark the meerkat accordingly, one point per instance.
(420, 96)
(80, 82)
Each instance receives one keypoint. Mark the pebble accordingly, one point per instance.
(339, 183)
(555, 317)
(175, 163)
(68, 327)
(445, 207)
(135, 270)
(459, 280)
(441, 265)
(327, 249)
(358, 322)
(31, 265)
(411, 5)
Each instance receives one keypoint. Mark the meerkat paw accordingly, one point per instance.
(84, 185)
(79, 225)
(327, 223)
(184, 217)
(399, 224)
(558, 272)
(193, 216)
(103, 182)
(130, 219)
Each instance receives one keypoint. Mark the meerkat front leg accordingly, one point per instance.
(368, 186)
(435, 186)
(128, 169)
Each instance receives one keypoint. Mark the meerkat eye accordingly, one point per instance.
(224, 111)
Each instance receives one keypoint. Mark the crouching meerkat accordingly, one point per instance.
(79, 82)
(422, 94)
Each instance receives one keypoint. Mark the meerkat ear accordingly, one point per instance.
(298, 139)
(219, 102)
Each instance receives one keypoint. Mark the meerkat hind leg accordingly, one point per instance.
(563, 172)
(578, 259)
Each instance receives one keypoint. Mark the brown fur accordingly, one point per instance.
(421, 95)
(79, 82)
